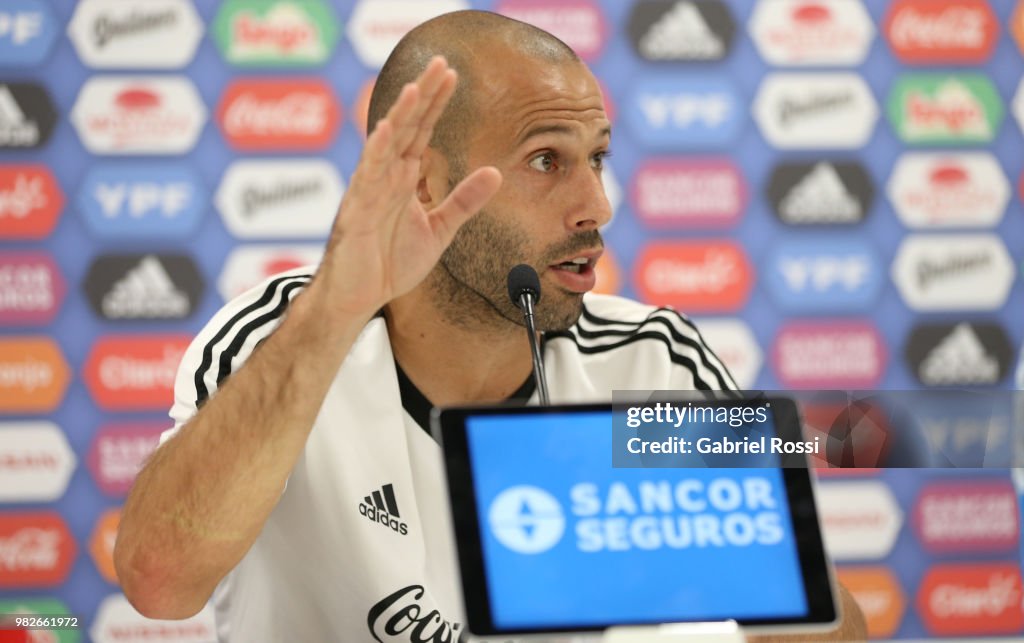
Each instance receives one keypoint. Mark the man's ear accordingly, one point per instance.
(432, 185)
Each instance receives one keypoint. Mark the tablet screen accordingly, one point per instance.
(567, 542)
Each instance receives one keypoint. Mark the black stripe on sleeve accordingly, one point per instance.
(291, 282)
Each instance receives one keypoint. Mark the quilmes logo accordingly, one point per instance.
(684, 30)
(970, 516)
(685, 112)
(142, 201)
(376, 26)
(31, 288)
(381, 506)
(577, 23)
(971, 599)
(135, 34)
(27, 32)
(821, 192)
(953, 272)
(694, 276)
(529, 520)
(941, 31)
(36, 549)
(815, 110)
(878, 594)
(680, 193)
(134, 372)
(276, 32)
(824, 274)
(116, 620)
(812, 32)
(143, 286)
(945, 108)
(27, 116)
(33, 375)
(118, 452)
(30, 201)
(249, 265)
(138, 115)
(286, 198)
(945, 190)
(829, 355)
(285, 114)
(860, 519)
(961, 354)
(36, 462)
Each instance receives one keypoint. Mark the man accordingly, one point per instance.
(256, 495)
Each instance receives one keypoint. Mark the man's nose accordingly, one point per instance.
(591, 208)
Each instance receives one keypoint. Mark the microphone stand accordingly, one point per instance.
(539, 377)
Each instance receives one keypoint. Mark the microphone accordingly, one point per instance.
(524, 290)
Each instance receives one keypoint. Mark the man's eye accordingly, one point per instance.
(543, 162)
(597, 160)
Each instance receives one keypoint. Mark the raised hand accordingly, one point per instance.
(384, 242)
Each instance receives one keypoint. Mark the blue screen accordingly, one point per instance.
(569, 541)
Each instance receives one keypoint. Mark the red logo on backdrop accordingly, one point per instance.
(976, 516)
(31, 288)
(694, 277)
(829, 355)
(284, 114)
(36, 549)
(134, 373)
(118, 453)
(30, 201)
(682, 193)
(941, 31)
(972, 599)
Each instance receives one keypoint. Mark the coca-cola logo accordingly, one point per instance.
(402, 615)
(30, 201)
(36, 549)
(694, 277)
(279, 114)
(941, 31)
(134, 372)
(972, 599)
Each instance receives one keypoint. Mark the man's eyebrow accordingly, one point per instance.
(556, 129)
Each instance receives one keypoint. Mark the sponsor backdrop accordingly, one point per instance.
(833, 188)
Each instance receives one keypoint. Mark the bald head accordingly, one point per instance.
(469, 41)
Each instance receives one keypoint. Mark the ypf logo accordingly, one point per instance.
(681, 31)
(526, 519)
(577, 23)
(27, 32)
(142, 201)
(941, 31)
(284, 114)
(276, 32)
(812, 32)
(684, 112)
(824, 274)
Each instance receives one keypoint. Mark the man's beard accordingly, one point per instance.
(470, 280)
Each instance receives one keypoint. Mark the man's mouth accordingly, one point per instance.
(577, 265)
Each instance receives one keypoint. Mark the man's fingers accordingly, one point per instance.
(436, 80)
(432, 114)
(471, 194)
